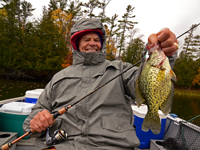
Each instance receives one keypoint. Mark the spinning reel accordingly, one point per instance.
(58, 136)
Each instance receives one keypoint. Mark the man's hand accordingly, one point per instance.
(166, 39)
(41, 121)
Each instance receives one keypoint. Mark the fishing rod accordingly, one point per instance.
(65, 109)
(188, 30)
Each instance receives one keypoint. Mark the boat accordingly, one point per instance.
(172, 127)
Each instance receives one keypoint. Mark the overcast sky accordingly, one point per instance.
(151, 15)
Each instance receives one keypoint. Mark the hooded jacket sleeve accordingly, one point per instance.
(43, 102)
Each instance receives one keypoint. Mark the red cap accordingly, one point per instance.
(78, 34)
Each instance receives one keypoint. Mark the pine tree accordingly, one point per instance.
(111, 42)
(26, 11)
(187, 65)
(113, 24)
(90, 6)
(133, 51)
(124, 25)
(191, 46)
(10, 31)
(102, 15)
(50, 45)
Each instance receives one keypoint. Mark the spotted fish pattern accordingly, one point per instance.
(155, 88)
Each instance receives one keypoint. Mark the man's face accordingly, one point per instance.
(89, 43)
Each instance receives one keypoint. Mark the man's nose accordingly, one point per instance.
(92, 43)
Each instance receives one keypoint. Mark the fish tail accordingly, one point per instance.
(152, 123)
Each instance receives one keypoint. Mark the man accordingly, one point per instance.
(103, 120)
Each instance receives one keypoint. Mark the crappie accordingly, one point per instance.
(154, 87)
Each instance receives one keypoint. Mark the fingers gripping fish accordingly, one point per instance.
(155, 88)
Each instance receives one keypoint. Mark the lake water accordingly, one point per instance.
(185, 107)
(16, 88)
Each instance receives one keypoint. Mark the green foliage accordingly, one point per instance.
(90, 6)
(26, 47)
(191, 46)
(26, 11)
(75, 9)
(186, 69)
(133, 51)
(102, 15)
(187, 65)
(48, 47)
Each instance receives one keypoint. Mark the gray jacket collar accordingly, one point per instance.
(88, 58)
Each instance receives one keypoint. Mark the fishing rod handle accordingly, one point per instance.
(6, 146)
(54, 116)
(59, 112)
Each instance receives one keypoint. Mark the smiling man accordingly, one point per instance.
(103, 120)
(87, 41)
(90, 43)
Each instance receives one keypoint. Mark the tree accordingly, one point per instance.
(68, 60)
(103, 6)
(50, 46)
(111, 50)
(26, 11)
(3, 13)
(60, 18)
(53, 5)
(133, 51)
(33, 47)
(124, 25)
(197, 78)
(64, 18)
(3, 35)
(191, 46)
(11, 34)
(185, 69)
(74, 10)
(112, 31)
(187, 65)
(90, 6)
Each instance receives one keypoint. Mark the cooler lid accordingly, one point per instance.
(17, 107)
(33, 93)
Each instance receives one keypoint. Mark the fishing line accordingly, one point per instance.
(65, 109)
(188, 30)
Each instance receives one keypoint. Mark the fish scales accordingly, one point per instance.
(155, 89)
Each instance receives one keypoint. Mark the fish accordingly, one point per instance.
(155, 87)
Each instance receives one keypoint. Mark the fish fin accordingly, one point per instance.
(138, 97)
(173, 76)
(151, 123)
(166, 106)
(141, 68)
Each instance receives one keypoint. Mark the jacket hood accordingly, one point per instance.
(85, 24)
